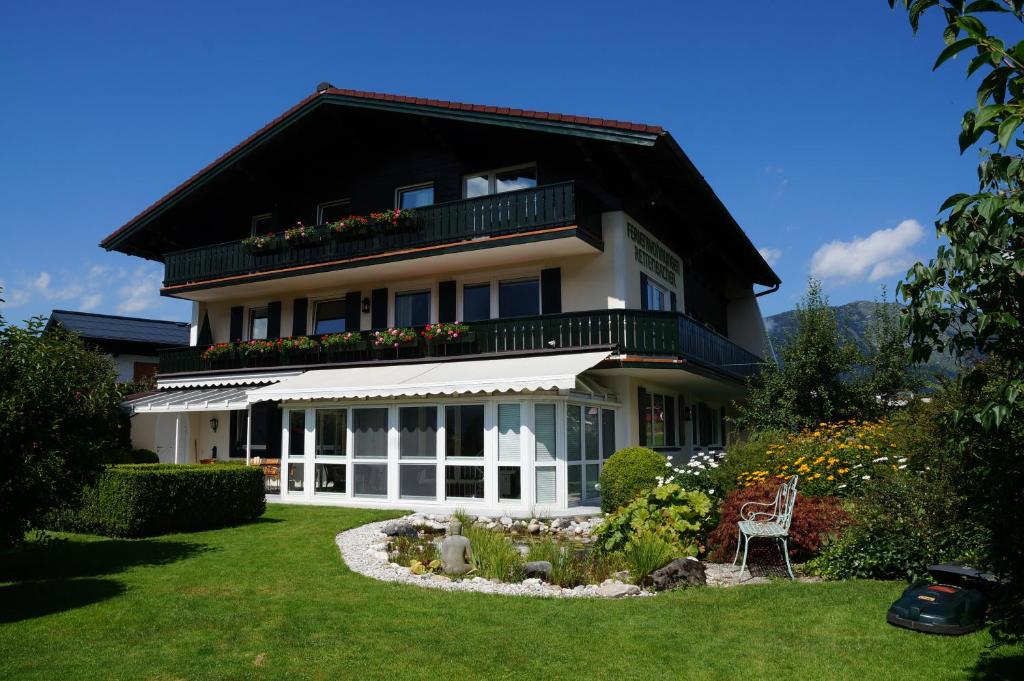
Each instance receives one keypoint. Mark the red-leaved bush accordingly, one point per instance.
(814, 518)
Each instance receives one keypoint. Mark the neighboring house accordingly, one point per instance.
(610, 298)
(132, 343)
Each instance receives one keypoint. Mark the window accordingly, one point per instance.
(417, 481)
(144, 370)
(262, 224)
(464, 431)
(464, 439)
(586, 426)
(331, 432)
(415, 196)
(499, 181)
(329, 317)
(659, 419)
(332, 211)
(518, 298)
(330, 471)
(545, 488)
(707, 426)
(257, 323)
(417, 432)
(656, 297)
(509, 455)
(464, 482)
(476, 302)
(370, 441)
(412, 309)
(296, 449)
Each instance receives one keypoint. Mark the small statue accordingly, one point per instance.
(455, 551)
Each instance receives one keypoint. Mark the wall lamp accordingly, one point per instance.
(366, 304)
(214, 423)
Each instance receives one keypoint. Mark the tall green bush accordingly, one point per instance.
(629, 473)
(150, 499)
(58, 415)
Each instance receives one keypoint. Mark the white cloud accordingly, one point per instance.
(883, 253)
(770, 255)
(142, 291)
(90, 302)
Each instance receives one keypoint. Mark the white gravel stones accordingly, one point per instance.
(356, 546)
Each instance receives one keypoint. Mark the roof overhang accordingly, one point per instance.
(222, 380)
(557, 371)
(203, 399)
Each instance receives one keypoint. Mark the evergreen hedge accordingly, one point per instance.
(138, 500)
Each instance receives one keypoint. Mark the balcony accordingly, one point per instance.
(633, 333)
(468, 222)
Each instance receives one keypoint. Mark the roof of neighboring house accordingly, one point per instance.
(105, 327)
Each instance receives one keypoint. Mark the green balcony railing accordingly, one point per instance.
(554, 205)
(631, 332)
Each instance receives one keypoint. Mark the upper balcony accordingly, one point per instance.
(538, 213)
(638, 336)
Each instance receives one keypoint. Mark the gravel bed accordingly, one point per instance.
(364, 549)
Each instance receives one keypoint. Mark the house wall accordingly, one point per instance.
(143, 431)
(124, 365)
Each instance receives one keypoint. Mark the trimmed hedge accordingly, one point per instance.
(628, 473)
(138, 500)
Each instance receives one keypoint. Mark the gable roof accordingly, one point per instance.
(582, 125)
(103, 327)
(623, 132)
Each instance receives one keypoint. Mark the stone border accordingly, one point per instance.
(364, 551)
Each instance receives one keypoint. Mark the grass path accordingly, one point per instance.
(273, 600)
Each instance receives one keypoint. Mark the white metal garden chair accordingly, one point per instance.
(772, 522)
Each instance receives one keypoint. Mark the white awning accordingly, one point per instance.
(209, 399)
(206, 381)
(555, 371)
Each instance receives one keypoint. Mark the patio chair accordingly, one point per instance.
(772, 522)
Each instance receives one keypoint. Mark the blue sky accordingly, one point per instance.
(820, 125)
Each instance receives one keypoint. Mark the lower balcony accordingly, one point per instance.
(634, 333)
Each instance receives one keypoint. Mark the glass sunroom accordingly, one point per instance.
(538, 449)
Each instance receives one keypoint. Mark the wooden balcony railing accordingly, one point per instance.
(631, 332)
(525, 210)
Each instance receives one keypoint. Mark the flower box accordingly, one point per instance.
(394, 338)
(350, 228)
(337, 343)
(448, 332)
(302, 235)
(261, 243)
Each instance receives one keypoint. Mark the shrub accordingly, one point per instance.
(644, 553)
(59, 414)
(628, 473)
(901, 525)
(674, 514)
(833, 459)
(746, 455)
(814, 520)
(493, 555)
(144, 456)
(150, 499)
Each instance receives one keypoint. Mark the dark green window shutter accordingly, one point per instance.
(672, 301)
(300, 310)
(379, 314)
(551, 290)
(446, 309)
(643, 291)
(670, 421)
(641, 405)
(352, 313)
(233, 436)
(236, 323)
(205, 334)
(274, 319)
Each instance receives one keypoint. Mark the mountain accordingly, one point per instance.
(853, 320)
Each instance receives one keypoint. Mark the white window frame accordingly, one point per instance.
(482, 461)
(391, 453)
(492, 178)
(426, 288)
(329, 204)
(316, 458)
(311, 313)
(437, 460)
(665, 294)
(583, 461)
(252, 318)
(413, 187)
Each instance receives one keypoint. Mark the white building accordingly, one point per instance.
(609, 296)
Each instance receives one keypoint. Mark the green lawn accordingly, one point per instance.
(273, 600)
